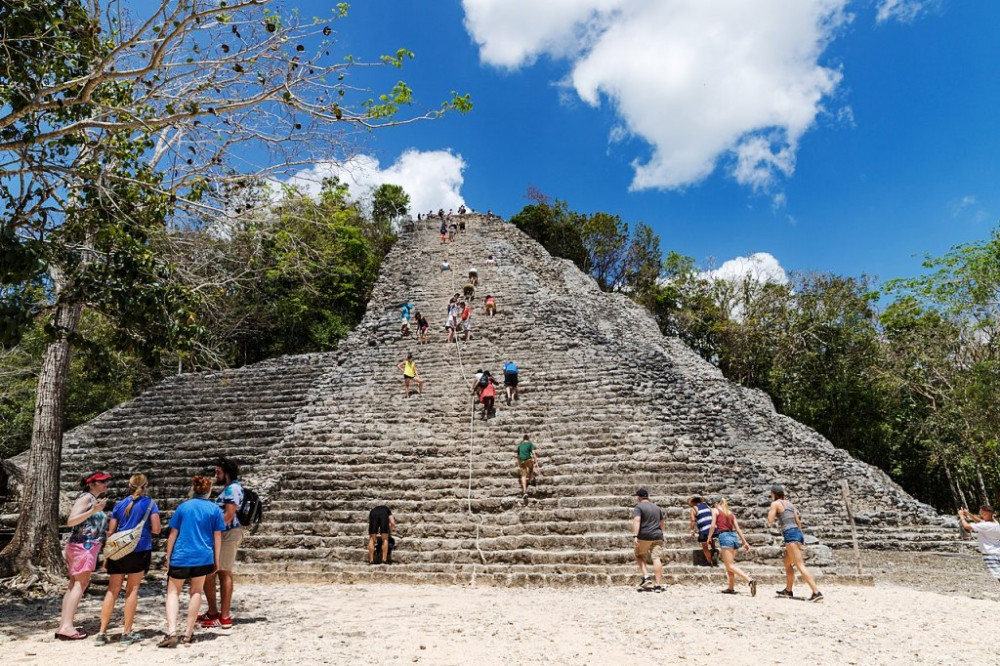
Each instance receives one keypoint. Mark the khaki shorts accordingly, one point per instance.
(526, 466)
(230, 544)
(654, 549)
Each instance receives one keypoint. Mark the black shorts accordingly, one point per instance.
(183, 573)
(135, 562)
(510, 379)
(378, 522)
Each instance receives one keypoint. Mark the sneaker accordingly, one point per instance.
(785, 593)
(227, 622)
(647, 583)
(211, 623)
(753, 587)
(818, 596)
(729, 591)
(658, 588)
(101, 639)
(129, 638)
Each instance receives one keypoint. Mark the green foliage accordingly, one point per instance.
(388, 203)
(99, 379)
(298, 276)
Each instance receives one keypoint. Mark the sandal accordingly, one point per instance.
(78, 636)
(753, 587)
(186, 641)
(169, 641)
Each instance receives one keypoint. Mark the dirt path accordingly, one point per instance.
(914, 615)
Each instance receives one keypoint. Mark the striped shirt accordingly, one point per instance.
(703, 517)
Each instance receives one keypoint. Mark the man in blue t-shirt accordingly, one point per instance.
(510, 380)
(227, 473)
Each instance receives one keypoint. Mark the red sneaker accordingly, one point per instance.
(211, 622)
(225, 622)
(208, 616)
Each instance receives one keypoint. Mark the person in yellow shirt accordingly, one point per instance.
(409, 368)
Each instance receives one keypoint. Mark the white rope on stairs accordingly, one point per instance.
(472, 433)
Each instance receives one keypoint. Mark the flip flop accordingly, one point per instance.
(78, 636)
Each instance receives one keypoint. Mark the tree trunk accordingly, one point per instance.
(956, 492)
(33, 555)
(982, 485)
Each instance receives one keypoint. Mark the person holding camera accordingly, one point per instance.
(90, 529)
(988, 530)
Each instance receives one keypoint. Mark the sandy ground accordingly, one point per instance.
(923, 610)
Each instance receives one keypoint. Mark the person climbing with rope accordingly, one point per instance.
(485, 390)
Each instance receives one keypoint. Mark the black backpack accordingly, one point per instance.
(484, 379)
(251, 511)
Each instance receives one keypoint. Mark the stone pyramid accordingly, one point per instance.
(610, 402)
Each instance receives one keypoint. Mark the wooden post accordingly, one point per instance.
(846, 492)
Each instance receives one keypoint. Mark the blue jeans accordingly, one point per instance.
(729, 540)
(794, 535)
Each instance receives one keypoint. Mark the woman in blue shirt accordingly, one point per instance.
(128, 514)
(192, 553)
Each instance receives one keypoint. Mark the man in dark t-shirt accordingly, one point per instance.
(647, 538)
(380, 523)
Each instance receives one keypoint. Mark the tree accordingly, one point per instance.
(114, 128)
(943, 330)
(389, 202)
(557, 228)
(605, 237)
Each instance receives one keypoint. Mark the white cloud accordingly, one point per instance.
(701, 81)
(968, 208)
(513, 33)
(899, 10)
(433, 179)
(761, 266)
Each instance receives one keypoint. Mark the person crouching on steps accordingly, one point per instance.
(791, 531)
(647, 539)
(727, 528)
(409, 368)
(381, 523)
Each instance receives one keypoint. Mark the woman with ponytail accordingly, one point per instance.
(727, 529)
(193, 549)
(128, 514)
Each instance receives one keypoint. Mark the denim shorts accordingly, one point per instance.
(794, 535)
(729, 540)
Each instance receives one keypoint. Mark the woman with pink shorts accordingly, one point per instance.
(90, 526)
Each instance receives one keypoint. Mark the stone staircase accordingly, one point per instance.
(611, 404)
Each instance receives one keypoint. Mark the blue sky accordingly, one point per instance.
(850, 137)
